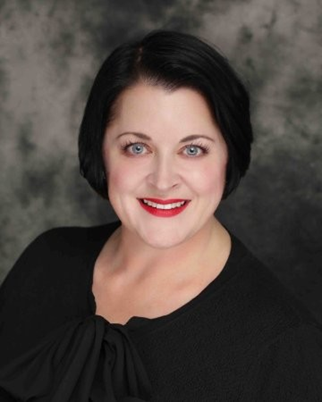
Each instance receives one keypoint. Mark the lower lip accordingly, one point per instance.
(163, 213)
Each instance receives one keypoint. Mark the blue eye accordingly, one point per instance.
(193, 150)
(135, 148)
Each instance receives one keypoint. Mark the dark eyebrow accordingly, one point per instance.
(140, 135)
(195, 137)
(185, 139)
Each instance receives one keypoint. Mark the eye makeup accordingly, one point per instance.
(134, 148)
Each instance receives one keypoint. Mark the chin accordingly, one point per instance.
(159, 240)
(162, 245)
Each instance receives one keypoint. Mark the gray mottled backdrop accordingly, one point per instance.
(50, 51)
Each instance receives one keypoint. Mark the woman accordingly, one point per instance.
(165, 304)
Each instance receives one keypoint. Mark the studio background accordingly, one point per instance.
(50, 52)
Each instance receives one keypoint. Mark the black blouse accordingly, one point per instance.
(243, 338)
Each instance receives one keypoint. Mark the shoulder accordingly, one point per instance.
(70, 237)
(264, 309)
(48, 285)
(266, 299)
(54, 255)
(64, 241)
(282, 338)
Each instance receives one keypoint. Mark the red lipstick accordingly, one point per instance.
(164, 213)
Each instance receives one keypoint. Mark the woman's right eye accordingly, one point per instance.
(136, 148)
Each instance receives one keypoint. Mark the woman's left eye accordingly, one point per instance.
(194, 150)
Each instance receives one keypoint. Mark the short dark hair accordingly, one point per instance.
(172, 60)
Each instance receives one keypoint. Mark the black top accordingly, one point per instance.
(243, 338)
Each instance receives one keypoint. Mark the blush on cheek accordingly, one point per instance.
(209, 180)
(121, 180)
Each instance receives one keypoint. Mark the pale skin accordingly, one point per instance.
(153, 265)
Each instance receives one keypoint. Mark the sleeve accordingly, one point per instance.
(19, 298)
(289, 369)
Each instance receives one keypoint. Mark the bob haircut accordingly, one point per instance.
(171, 60)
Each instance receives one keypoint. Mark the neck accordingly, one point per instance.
(137, 261)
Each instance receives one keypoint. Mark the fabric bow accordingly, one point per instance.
(87, 360)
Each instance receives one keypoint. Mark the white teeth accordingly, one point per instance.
(164, 206)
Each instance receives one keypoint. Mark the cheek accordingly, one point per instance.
(117, 179)
(121, 177)
(209, 179)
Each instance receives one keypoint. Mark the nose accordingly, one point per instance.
(163, 175)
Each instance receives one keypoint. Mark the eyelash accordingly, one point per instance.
(204, 148)
(128, 144)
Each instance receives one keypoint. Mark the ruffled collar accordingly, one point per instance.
(86, 360)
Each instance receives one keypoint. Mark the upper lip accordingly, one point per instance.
(163, 202)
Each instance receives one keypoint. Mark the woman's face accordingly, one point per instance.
(165, 162)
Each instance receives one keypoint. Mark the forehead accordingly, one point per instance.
(145, 106)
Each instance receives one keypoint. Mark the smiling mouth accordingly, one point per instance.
(163, 208)
(168, 205)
